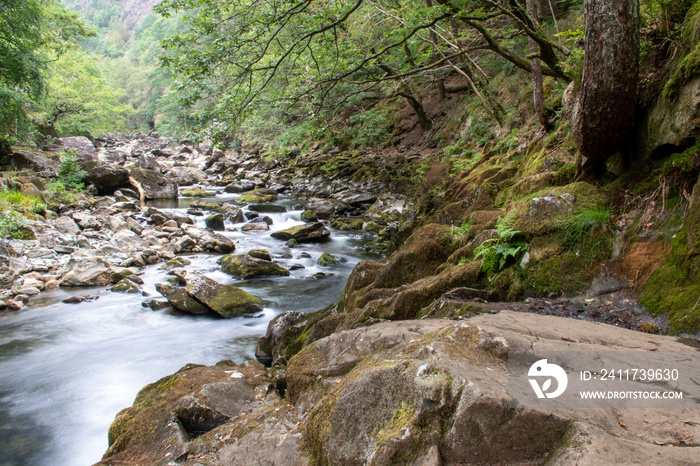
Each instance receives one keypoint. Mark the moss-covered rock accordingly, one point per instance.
(258, 196)
(419, 257)
(225, 300)
(308, 233)
(197, 192)
(348, 224)
(208, 205)
(309, 216)
(267, 208)
(125, 286)
(327, 260)
(246, 266)
(180, 300)
(263, 254)
(175, 263)
(674, 289)
(215, 222)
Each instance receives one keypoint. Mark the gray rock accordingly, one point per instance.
(209, 240)
(545, 207)
(82, 145)
(267, 350)
(152, 185)
(105, 177)
(326, 208)
(66, 225)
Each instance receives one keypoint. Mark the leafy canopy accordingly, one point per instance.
(33, 33)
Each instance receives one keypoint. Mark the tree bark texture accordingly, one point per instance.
(537, 88)
(605, 109)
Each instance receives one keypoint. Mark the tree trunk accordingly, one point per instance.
(605, 109)
(537, 89)
(433, 38)
(423, 120)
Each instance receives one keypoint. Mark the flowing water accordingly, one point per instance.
(67, 369)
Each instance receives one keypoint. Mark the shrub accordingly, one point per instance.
(12, 224)
(56, 193)
(70, 173)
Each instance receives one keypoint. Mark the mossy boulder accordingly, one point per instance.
(258, 196)
(425, 250)
(225, 300)
(197, 192)
(548, 210)
(215, 222)
(308, 233)
(168, 415)
(245, 266)
(175, 263)
(180, 300)
(208, 205)
(309, 216)
(125, 286)
(263, 254)
(327, 260)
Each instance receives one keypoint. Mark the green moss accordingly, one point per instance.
(689, 67)
(401, 419)
(562, 274)
(258, 196)
(197, 192)
(674, 289)
(119, 426)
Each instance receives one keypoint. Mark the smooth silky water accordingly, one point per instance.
(67, 369)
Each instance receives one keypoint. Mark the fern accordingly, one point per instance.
(496, 253)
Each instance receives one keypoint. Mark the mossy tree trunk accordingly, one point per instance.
(605, 111)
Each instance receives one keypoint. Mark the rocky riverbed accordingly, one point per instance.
(262, 222)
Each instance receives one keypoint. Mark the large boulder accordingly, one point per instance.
(226, 300)
(186, 176)
(308, 233)
(105, 177)
(152, 185)
(197, 192)
(169, 414)
(246, 266)
(424, 392)
(33, 160)
(83, 147)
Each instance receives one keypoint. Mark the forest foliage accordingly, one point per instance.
(291, 70)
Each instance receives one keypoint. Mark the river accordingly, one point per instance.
(67, 369)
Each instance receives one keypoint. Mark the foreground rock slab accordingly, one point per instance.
(417, 392)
